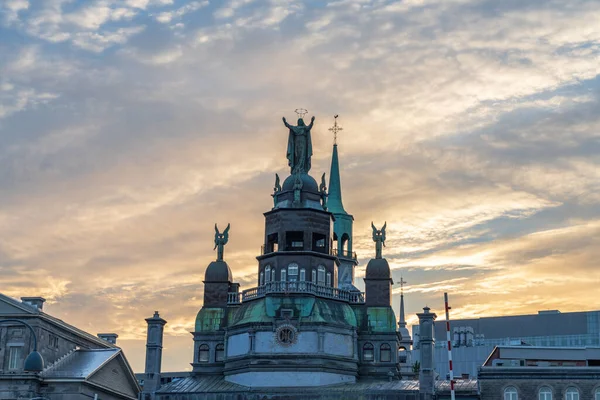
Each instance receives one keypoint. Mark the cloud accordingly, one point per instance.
(128, 128)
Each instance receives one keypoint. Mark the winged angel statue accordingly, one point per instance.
(379, 239)
(221, 240)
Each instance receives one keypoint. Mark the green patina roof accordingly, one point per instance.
(379, 319)
(209, 319)
(334, 200)
(310, 309)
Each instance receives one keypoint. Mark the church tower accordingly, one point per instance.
(342, 226)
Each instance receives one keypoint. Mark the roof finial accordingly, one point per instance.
(335, 128)
(402, 282)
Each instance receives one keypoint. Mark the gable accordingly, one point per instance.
(115, 376)
(10, 306)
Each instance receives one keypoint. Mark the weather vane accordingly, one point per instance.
(335, 128)
(301, 112)
(402, 283)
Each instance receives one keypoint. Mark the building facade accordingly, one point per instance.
(76, 363)
(474, 339)
(544, 373)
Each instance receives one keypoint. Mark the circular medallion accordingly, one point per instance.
(286, 335)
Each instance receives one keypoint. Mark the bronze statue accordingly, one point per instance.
(323, 191)
(221, 240)
(379, 239)
(276, 190)
(298, 184)
(299, 149)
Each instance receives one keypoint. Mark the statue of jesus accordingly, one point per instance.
(299, 149)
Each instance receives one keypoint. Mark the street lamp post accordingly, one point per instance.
(34, 361)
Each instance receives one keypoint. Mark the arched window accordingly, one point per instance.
(597, 396)
(328, 282)
(293, 272)
(572, 394)
(368, 353)
(385, 353)
(510, 393)
(314, 277)
(402, 355)
(203, 353)
(261, 281)
(273, 278)
(268, 273)
(302, 274)
(283, 275)
(220, 352)
(321, 275)
(545, 393)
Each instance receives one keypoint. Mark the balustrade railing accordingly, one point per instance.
(296, 287)
(344, 253)
(233, 298)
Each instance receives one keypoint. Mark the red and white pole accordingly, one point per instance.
(449, 345)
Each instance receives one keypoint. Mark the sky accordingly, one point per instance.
(128, 128)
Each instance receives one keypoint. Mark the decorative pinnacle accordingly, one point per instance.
(335, 128)
(301, 112)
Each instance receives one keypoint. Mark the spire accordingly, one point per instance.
(334, 202)
(402, 322)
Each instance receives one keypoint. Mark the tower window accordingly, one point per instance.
(272, 243)
(283, 275)
(261, 281)
(294, 240)
(273, 277)
(314, 276)
(268, 273)
(203, 352)
(303, 276)
(321, 275)
(220, 352)
(368, 354)
(319, 242)
(293, 272)
(328, 282)
(385, 353)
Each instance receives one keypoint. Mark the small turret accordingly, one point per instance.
(378, 277)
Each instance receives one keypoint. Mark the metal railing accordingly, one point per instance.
(333, 252)
(344, 253)
(296, 287)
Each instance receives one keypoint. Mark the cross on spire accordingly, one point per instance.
(402, 283)
(335, 128)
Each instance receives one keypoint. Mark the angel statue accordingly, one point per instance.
(378, 238)
(276, 190)
(299, 149)
(221, 240)
(323, 192)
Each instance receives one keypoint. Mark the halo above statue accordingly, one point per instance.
(301, 112)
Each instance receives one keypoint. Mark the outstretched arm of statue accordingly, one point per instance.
(311, 122)
(285, 123)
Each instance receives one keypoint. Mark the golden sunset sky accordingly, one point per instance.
(129, 127)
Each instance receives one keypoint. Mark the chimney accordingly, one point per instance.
(109, 337)
(37, 302)
(427, 342)
(154, 346)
